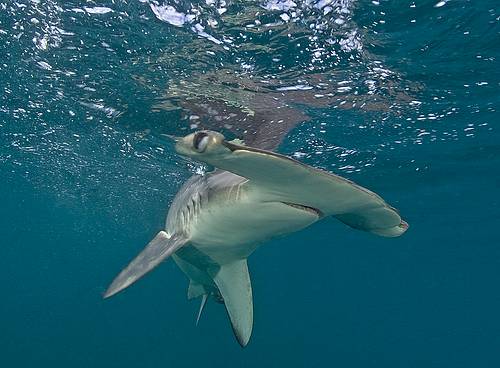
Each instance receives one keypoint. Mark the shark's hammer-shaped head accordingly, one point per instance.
(204, 145)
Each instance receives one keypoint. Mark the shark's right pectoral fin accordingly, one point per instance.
(162, 246)
(233, 282)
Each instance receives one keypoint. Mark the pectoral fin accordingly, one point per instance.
(234, 285)
(158, 249)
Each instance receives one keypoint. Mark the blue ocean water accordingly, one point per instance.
(400, 97)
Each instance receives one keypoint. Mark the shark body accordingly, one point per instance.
(217, 220)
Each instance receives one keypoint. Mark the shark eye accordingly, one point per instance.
(200, 141)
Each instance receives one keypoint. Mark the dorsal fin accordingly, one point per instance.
(234, 285)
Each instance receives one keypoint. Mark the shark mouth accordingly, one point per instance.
(312, 210)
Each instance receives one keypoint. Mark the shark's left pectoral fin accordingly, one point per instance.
(162, 246)
(234, 285)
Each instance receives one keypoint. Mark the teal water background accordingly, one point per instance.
(399, 96)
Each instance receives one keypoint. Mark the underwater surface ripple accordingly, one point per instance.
(401, 97)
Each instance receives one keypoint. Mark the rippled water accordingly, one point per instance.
(401, 97)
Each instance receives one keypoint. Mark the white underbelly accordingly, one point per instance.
(233, 230)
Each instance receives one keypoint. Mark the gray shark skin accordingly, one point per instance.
(217, 220)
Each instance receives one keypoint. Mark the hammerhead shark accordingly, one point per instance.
(217, 220)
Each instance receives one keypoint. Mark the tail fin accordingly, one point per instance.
(158, 249)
